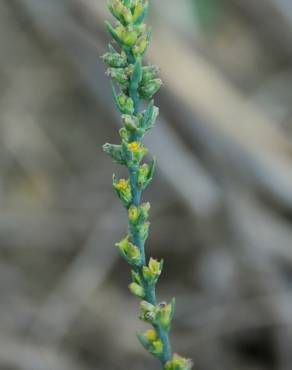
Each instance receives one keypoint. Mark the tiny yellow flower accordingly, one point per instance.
(134, 147)
(151, 335)
(133, 214)
(122, 185)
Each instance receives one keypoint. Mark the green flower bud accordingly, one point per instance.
(129, 38)
(127, 35)
(120, 11)
(143, 230)
(145, 174)
(115, 60)
(133, 214)
(140, 11)
(157, 348)
(125, 134)
(178, 363)
(144, 211)
(147, 91)
(155, 266)
(152, 272)
(165, 315)
(137, 290)
(130, 121)
(141, 45)
(130, 252)
(141, 29)
(119, 75)
(138, 215)
(116, 152)
(123, 189)
(130, 70)
(149, 73)
(148, 312)
(131, 130)
(127, 16)
(126, 104)
(151, 342)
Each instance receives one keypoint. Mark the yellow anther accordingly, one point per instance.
(134, 147)
(151, 335)
(122, 184)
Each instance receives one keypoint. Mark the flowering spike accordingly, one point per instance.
(132, 83)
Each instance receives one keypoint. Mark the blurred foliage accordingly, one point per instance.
(207, 12)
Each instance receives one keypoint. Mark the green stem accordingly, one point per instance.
(150, 291)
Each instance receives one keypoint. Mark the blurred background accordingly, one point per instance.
(221, 199)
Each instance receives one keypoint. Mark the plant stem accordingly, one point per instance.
(150, 291)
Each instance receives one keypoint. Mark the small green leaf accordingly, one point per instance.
(115, 152)
(115, 96)
(148, 113)
(135, 277)
(146, 173)
(111, 49)
(113, 33)
(149, 124)
(144, 341)
(152, 169)
(137, 75)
